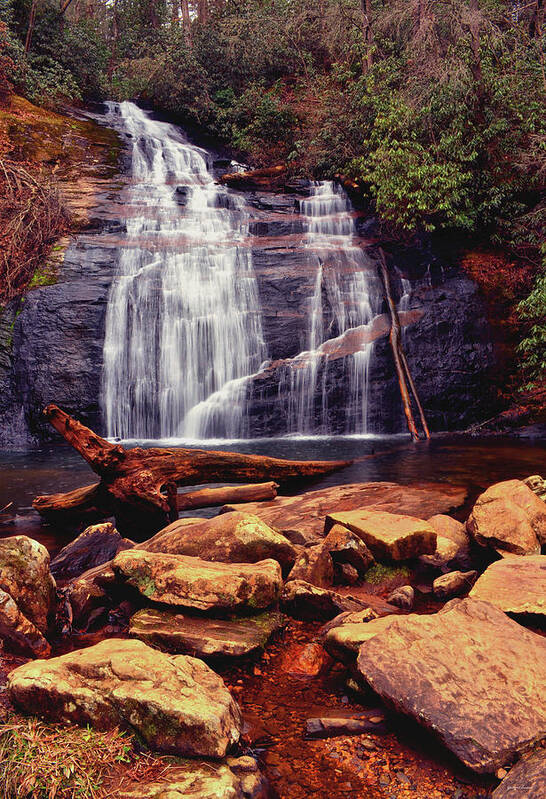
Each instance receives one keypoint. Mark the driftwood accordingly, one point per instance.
(138, 486)
(209, 497)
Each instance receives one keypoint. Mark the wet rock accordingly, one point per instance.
(228, 538)
(402, 597)
(486, 706)
(525, 780)
(17, 633)
(183, 581)
(25, 576)
(345, 547)
(306, 660)
(389, 536)
(306, 512)
(346, 574)
(238, 778)
(452, 543)
(453, 584)
(176, 703)
(510, 517)
(333, 727)
(516, 585)
(343, 640)
(305, 601)
(95, 546)
(204, 637)
(537, 484)
(314, 565)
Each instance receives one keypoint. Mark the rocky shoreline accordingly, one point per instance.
(287, 647)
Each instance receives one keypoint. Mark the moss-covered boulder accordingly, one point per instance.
(25, 576)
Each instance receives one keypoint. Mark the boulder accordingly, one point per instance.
(537, 484)
(204, 637)
(345, 574)
(389, 536)
(347, 548)
(452, 543)
(228, 538)
(96, 545)
(237, 778)
(343, 640)
(510, 517)
(25, 576)
(516, 585)
(89, 595)
(176, 703)
(305, 512)
(314, 565)
(453, 584)
(305, 601)
(526, 780)
(306, 660)
(183, 581)
(17, 633)
(470, 674)
(402, 597)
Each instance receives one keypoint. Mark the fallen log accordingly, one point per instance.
(81, 505)
(209, 497)
(138, 486)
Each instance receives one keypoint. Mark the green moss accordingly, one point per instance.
(146, 586)
(380, 572)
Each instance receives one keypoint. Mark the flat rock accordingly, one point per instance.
(238, 778)
(25, 576)
(525, 780)
(343, 640)
(389, 536)
(453, 584)
(17, 633)
(314, 565)
(305, 601)
(96, 545)
(183, 581)
(306, 512)
(470, 674)
(228, 538)
(509, 516)
(175, 702)
(204, 637)
(516, 585)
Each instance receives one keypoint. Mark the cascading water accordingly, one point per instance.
(183, 319)
(348, 284)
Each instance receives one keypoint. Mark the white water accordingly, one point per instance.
(347, 283)
(183, 319)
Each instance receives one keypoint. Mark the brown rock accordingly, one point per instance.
(509, 516)
(346, 574)
(306, 512)
(537, 484)
(17, 633)
(452, 543)
(402, 597)
(305, 601)
(203, 637)
(176, 703)
(453, 584)
(516, 585)
(184, 581)
(470, 674)
(345, 547)
(343, 640)
(306, 660)
(314, 565)
(228, 538)
(97, 545)
(526, 780)
(89, 594)
(389, 536)
(25, 576)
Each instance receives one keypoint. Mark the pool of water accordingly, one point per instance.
(474, 463)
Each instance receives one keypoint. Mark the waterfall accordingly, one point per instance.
(348, 285)
(183, 320)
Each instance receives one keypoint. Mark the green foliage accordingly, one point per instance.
(533, 347)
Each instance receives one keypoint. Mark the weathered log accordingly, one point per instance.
(268, 178)
(138, 486)
(209, 497)
(85, 504)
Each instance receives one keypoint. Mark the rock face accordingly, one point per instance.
(176, 703)
(453, 584)
(389, 536)
(516, 585)
(183, 581)
(470, 674)
(306, 512)
(228, 538)
(203, 637)
(509, 517)
(526, 780)
(96, 545)
(17, 633)
(25, 576)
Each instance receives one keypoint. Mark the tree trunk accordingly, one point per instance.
(210, 497)
(186, 20)
(476, 61)
(202, 11)
(367, 32)
(30, 29)
(138, 486)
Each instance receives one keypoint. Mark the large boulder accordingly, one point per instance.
(516, 585)
(469, 674)
(183, 581)
(305, 512)
(204, 637)
(96, 545)
(25, 576)
(526, 780)
(228, 538)
(389, 536)
(509, 517)
(17, 633)
(176, 703)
